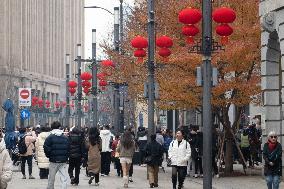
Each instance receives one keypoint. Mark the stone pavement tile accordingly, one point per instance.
(140, 181)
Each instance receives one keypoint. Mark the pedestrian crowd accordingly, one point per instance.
(64, 151)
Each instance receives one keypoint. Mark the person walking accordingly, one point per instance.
(26, 147)
(126, 149)
(77, 146)
(142, 142)
(272, 155)
(42, 160)
(179, 154)
(106, 138)
(5, 164)
(56, 148)
(197, 151)
(93, 145)
(115, 155)
(154, 158)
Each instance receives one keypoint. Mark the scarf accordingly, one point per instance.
(271, 146)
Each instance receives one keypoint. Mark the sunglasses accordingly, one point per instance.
(273, 136)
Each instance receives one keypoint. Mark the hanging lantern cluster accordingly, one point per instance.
(72, 105)
(140, 43)
(34, 101)
(190, 17)
(72, 87)
(63, 104)
(223, 16)
(47, 103)
(57, 104)
(164, 42)
(40, 103)
(86, 84)
(102, 80)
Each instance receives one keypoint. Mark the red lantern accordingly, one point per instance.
(86, 84)
(101, 76)
(108, 63)
(102, 83)
(47, 103)
(34, 99)
(40, 103)
(34, 103)
(86, 76)
(189, 16)
(72, 84)
(224, 30)
(57, 104)
(164, 52)
(164, 42)
(140, 53)
(72, 91)
(86, 91)
(139, 42)
(224, 15)
(63, 104)
(190, 31)
(72, 105)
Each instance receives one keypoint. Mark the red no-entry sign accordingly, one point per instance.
(24, 96)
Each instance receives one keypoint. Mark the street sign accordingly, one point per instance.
(25, 114)
(25, 97)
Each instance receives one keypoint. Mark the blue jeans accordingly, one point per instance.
(272, 180)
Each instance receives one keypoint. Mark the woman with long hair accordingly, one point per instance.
(94, 155)
(126, 149)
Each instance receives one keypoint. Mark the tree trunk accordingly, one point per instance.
(229, 153)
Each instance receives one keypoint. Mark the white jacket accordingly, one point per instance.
(43, 161)
(106, 137)
(179, 154)
(5, 166)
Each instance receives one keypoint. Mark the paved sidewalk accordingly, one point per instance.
(140, 182)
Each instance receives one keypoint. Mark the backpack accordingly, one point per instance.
(22, 146)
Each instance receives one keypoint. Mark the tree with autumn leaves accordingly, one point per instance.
(238, 65)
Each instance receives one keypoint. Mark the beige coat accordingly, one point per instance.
(5, 166)
(43, 161)
(94, 158)
(29, 140)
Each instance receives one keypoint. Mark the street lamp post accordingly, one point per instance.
(94, 78)
(79, 94)
(67, 64)
(207, 85)
(151, 68)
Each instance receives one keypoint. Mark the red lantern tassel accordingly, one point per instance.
(224, 40)
(140, 60)
(190, 40)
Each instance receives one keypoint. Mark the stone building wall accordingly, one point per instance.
(272, 66)
(35, 35)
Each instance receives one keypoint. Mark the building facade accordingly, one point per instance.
(35, 36)
(272, 66)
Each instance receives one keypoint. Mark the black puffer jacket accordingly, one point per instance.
(275, 157)
(56, 147)
(155, 151)
(76, 145)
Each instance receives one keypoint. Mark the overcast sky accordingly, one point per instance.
(100, 20)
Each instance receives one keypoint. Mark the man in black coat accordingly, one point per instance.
(154, 155)
(77, 150)
(56, 148)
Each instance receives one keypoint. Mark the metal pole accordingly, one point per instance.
(117, 126)
(121, 21)
(207, 112)
(151, 69)
(94, 79)
(67, 116)
(79, 94)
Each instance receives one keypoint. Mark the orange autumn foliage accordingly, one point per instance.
(238, 65)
